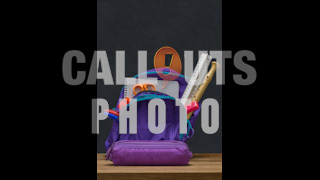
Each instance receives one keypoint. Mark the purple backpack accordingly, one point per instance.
(146, 148)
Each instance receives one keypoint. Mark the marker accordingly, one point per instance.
(112, 116)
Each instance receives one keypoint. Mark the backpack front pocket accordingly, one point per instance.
(171, 131)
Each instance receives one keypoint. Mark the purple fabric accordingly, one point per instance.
(172, 119)
(143, 133)
(149, 153)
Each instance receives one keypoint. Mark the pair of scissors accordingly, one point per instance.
(143, 87)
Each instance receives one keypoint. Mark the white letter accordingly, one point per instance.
(220, 57)
(249, 70)
(100, 57)
(131, 114)
(182, 117)
(205, 115)
(98, 107)
(161, 116)
(120, 67)
(67, 68)
(142, 64)
(188, 64)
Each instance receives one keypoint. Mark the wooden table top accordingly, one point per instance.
(201, 166)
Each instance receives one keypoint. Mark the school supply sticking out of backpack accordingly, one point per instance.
(145, 147)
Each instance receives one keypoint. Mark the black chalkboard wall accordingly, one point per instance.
(149, 25)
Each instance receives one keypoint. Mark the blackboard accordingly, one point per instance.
(149, 25)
